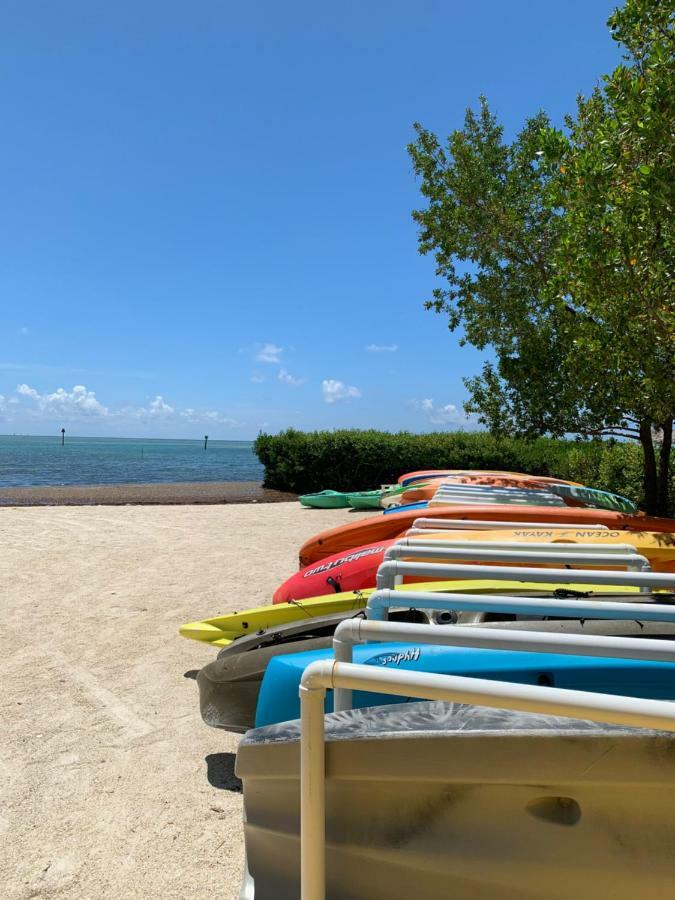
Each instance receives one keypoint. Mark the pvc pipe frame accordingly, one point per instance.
(358, 631)
(429, 524)
(566, 554)
(320, 675)
(388, 571)
(537, 546)
(560, 554)
(380, 601)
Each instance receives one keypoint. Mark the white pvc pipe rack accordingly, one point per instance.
(321, 675)
(437, 524)
(389, 571)
(381, 601)
(562, 553)
(538, 546)
(361, 631)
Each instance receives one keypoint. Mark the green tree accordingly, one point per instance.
(557, 251)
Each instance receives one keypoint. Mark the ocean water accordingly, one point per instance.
(26, 461)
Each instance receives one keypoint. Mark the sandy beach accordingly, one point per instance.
(111, 785)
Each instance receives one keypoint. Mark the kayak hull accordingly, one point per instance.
(325, 500)
(229, 685)
(357, 569)
(222, 631)
(278, 700)
(382, 528)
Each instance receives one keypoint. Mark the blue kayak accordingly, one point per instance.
(422, 504)
(278, 698)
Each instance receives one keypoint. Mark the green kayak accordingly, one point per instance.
(366, 499)
(373, 499)
(325, 500)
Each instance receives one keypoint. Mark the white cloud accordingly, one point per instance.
(382, 348)
(78, 403)
(269, 353)
(158, 407)
(337, 390)
(209, 415)
(27, 391)
(441, 415)
(81, 403)
(287, 378)
(257, 379)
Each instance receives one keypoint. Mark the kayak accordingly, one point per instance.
(357, 569)
(325, 500)
(422, 474)
(376, 498)
(367, 499)
(229, 685)
(221, 631)
(477, 476)
(593, 497)
(381, 528)
(657, 547)
(422, 504)
(572, 494)
(278, 699)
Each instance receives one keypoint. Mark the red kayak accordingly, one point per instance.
(352, 571)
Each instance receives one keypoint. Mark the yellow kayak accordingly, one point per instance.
(222, 630)
(657, 547)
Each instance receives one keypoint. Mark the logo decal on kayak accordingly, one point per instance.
(395, 659)
(351, 557)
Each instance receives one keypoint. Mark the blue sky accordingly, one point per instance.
(206, 207)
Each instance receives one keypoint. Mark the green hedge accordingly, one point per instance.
(302, 462)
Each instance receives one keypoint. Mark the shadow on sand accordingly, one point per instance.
(220, 772)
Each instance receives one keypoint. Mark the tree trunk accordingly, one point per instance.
(649, 478)
(664, 468)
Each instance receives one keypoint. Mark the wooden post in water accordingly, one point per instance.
(206, 439)
(63, 436)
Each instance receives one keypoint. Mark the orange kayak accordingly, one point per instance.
(422, 474)
(382, 528)
(531, 482)
(356, 569)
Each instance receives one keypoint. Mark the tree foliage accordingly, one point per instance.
(557, 251)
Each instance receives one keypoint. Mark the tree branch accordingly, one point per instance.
(631, 433)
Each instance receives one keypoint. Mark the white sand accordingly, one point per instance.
(104, 759)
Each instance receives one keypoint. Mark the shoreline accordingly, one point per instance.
(161, 494)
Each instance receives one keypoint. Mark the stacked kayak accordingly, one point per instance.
(325, 500)
(497, 589)
(374, 499)
(382, 527)
(356, 569)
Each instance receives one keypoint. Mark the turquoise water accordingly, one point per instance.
(26, 461)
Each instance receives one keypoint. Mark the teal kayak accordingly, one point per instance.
(365, 499)
(595, 498)
(325, 500)
(373, 499)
